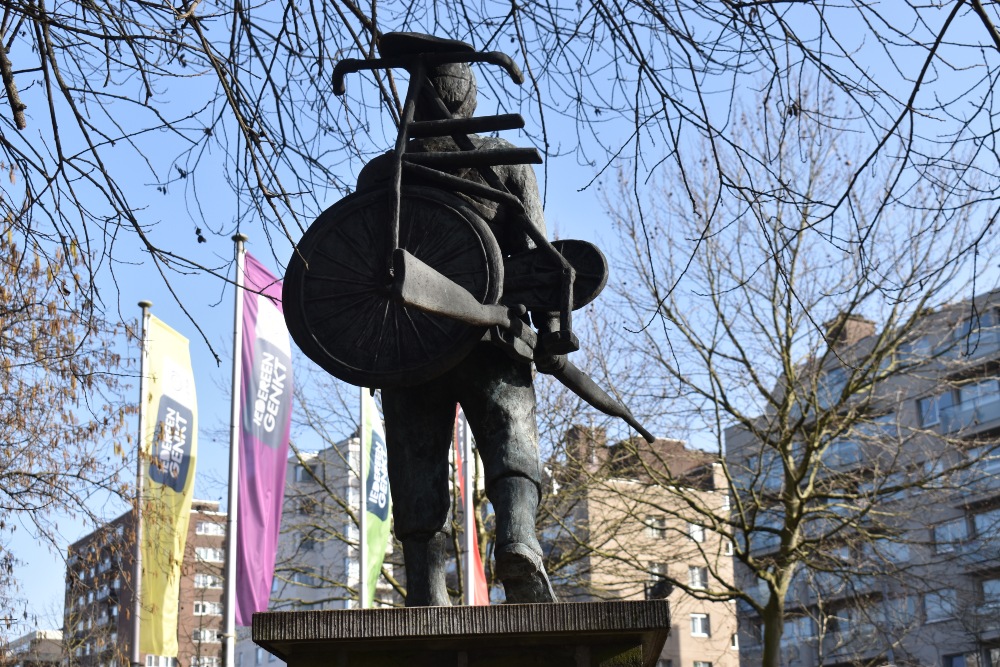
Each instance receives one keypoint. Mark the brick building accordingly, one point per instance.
(637, 534)
(99, 598)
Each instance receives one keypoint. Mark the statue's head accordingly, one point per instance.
(455, 84)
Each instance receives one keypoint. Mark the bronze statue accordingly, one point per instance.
(421, 283)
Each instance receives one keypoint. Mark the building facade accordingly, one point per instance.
(40, 648)
(99, 601)
(635, 535)
(317, 561)
(911, 574)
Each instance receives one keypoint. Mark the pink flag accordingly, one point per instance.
(480, 591)
(266, 410)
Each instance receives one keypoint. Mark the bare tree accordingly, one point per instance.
(757, 322)
(63, 410)
(242, 95)
(112, 108)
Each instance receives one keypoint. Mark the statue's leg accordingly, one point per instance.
(518, 555)
(419, 423)
(499, 401)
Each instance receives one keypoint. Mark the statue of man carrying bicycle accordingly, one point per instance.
(422, 283)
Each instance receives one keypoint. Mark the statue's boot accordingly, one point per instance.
(425, 571)
(518, 555)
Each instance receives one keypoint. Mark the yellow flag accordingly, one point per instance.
(170, 443)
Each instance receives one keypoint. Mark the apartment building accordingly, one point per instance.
(99, 594)
(317, 562)
(618, 533)
(39, 648)
(911, 573)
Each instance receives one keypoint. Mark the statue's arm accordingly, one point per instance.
(523, 184)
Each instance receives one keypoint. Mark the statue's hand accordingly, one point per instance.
(549, 364)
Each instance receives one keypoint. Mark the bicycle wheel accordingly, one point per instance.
(337, 300)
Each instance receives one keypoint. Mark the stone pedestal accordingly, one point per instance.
(591, 634)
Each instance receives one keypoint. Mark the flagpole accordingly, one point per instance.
(363, 508)
(229, 629)
(139, 479)
(469, 461)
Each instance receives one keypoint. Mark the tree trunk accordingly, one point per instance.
(774, 625)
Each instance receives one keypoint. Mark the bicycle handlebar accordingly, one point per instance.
(350, 65)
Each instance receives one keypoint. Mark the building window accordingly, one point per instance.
(656, 526)
(665, 662)
(991, 593)
(259, 656)
(700, 626)
(207, 581)
(205, 635)
(209, 554)
(976, 394)
(657, 570)
(702, 663)
(987, 524)
(698, 577)
(696, 532)
(928, 409)
(208, 609)
(940, 605)
(800, 628)
(209, 528)
(949, 534)
(205, 661)
(887, 549)
(987, 462)
(160, 661)
(305, 577)
(959, 660)
(305, 473)
(734, 643)
(727, 546)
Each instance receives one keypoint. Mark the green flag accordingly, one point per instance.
(377, 501)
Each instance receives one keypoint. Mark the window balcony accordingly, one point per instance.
(979, 552)
(842, 454)
(985, 621)
(827, 586)
(979, 344)
(973, 416)
(861, 644)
